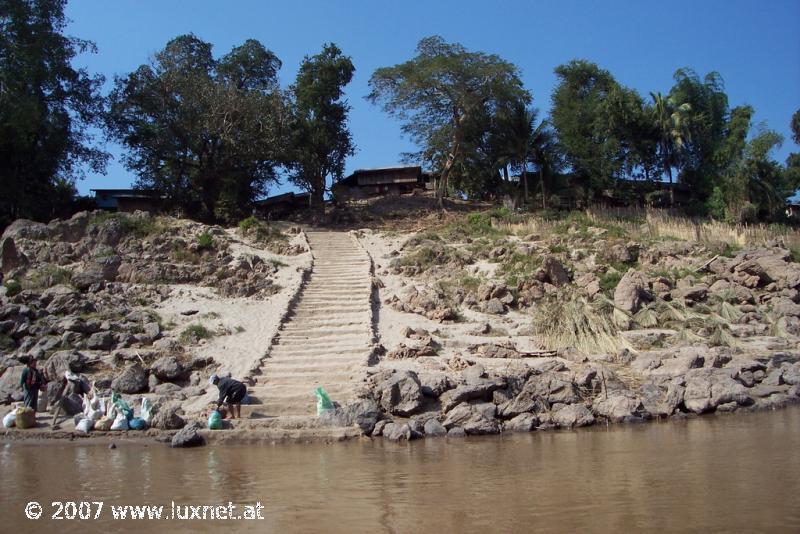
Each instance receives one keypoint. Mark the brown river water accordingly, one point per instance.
(736, 473)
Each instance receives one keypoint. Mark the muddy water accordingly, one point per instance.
(734, 473)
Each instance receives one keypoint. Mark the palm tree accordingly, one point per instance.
(671, 121)
(545, 153)
(516, 130)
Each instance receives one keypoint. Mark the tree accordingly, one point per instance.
(47, 110)
(439, 92)
(702, 158)
(671, 123)
(203, 132)
(320, 139)
(581, 115)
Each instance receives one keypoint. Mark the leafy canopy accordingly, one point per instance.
(203, 132)
(48, 110)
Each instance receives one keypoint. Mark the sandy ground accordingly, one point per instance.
(252, 323)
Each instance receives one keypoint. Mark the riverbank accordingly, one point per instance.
(475, 322)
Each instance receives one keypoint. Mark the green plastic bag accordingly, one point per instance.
(323, 401)
(215, 421)
(122, 406)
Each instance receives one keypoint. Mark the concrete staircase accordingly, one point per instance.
(326, 338)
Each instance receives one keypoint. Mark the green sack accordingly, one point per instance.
(323, 401)
(122, 406)
(215, 421)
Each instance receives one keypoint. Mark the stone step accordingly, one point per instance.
(312, 363)
(283, 351)
(310, 377)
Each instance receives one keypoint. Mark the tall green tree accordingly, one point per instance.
(702, 162)
(48, 109)
(439, 92)
(583, 120)
(671, 123)
(321, 141)
(203, 132)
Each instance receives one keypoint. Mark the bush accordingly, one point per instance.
(246, 224)
(194, 333)
(13, 287)
(609, 281)
(49, 276)
(205, 241)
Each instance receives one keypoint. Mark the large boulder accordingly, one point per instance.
(662, 398)
(433, 428)
(132, 380)
(524, 422)
(100, 341)
(188, 436)
(167, 369)
(479, 389)
(11, 258)
(401, 394)
(364, 413)
(83, 280)
(769, 266)
(397, 432)
(475, 419)
(61, 362)
(166, 417)
(9, 384)
(573, 415)
(539, 393)
(554, 272)
(631, 291)
(707, 388)
(621, 406)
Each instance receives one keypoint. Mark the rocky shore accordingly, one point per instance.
(144, 306)
(479, 325)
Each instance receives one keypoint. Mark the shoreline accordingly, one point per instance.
(322, 435)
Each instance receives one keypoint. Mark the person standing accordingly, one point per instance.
(31, 381)
(231, 392)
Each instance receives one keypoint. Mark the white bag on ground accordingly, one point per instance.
(147, 410)
(120, 423)
(10, 419)
(85, 425)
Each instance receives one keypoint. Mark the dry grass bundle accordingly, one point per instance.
(647, 317)
(729, 312)
(721, 337)
(687, 337)
(577, 323)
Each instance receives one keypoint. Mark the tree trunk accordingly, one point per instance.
(316, 198)
(525, 183)
(441, 190)
(541, 179)
(671, 189)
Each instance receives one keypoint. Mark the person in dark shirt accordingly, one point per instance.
(231, 392)
(31, 381)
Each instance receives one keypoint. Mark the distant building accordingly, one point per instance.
(365, 183)
(127, 200)
(279, 206)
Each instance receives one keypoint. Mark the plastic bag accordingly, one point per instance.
(215, 420)
(104, 423)
(26, 418)
(323, 401)
(122, 406)
(10, 419)
(85, 425)
(137, 423)
(147, 410)
(120, 423)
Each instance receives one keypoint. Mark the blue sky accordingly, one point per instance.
(754, 45)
